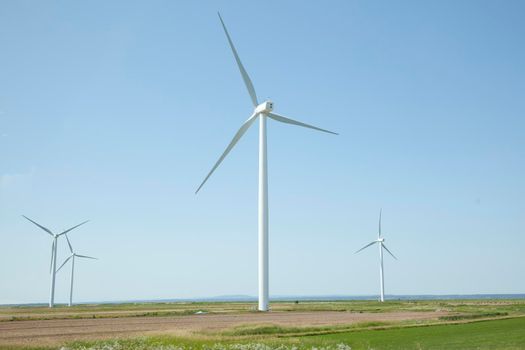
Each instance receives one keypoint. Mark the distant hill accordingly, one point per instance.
(274, 298)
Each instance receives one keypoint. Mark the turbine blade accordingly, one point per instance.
(42, 227)
(65, 261)
(69, 244)
(244, 74)
(282, 119)
(380, 211)
(236, 138)
(85, 257)
(72, 228)
(389, 252)
(366, 246)
(52, 255)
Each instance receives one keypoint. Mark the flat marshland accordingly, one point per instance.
(334, 325)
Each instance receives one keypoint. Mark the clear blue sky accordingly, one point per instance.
(115, 111)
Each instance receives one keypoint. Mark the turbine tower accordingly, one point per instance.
(52, 268)
(72, 258)
(263, 111)
(382, 246)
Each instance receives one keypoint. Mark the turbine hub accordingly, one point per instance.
(380, 239)
(265, 107)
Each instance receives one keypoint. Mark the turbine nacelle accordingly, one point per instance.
(380, 239)
(264, 108)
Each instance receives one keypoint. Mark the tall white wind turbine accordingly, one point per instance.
(72, 258)
(263, 111)
(381, 241)
(52, 268)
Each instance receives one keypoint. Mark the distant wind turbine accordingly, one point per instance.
(262, 111)
(72, 258)
(382, 246)
(52, 268)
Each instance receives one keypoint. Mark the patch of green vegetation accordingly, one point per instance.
(21, 347)
(473, 316)
(275, 330)
(262, 330)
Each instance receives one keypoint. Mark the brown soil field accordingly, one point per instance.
(57, 332)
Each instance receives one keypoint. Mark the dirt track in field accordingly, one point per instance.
(56, 332)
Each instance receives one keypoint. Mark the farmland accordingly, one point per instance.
(357, 324)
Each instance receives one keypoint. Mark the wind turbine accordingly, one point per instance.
(52, 267)
(382, 246)
(263, 111)
(72, 258)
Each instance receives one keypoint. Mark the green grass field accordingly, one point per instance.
(493, 334)
(497, 334)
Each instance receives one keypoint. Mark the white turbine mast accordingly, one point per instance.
(72, 258)
(381, 241)
(263, 111)
(52, 267)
